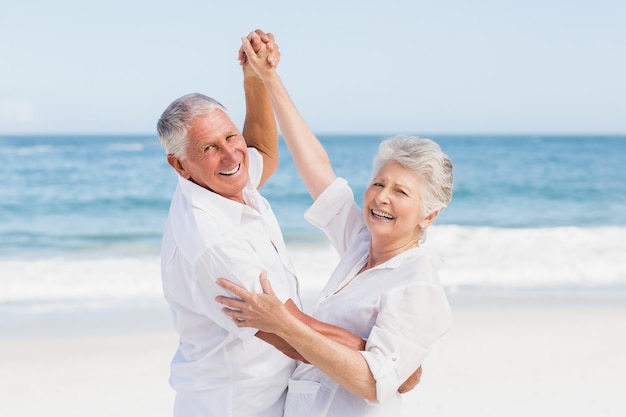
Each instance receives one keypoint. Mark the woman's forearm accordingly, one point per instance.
(265, 312)
(308, 154)
(336, 333)
(310, 157)
(344, 365)
(284, 347)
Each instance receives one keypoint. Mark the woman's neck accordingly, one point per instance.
(380, 251)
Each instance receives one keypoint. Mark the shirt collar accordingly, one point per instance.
(399, 259)
(211, 202)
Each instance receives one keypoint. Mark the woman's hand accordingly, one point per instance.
(261, 57)
(411, 381)
(261, 311)
(257, 39)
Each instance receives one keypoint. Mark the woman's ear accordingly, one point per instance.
(178, 165)
(428, 220)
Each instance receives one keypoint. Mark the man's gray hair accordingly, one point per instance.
(174, 123)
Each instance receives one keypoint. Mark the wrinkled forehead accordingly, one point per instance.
(394, 172)
(215, 125)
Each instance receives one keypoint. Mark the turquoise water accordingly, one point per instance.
(110, 194)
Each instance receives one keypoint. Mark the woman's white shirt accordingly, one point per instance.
(399, 308)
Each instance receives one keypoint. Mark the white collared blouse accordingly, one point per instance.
(399, 307)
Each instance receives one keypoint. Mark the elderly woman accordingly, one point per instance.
(385, 288)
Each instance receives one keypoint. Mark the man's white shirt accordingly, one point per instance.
(220, 369)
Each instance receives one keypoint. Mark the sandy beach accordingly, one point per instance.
(506, 355)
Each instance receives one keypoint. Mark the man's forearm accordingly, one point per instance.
(259, 129)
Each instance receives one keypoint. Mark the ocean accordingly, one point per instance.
(81, 217)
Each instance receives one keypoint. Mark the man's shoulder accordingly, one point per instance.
(191, 231)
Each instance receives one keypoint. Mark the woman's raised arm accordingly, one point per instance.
(309, 155)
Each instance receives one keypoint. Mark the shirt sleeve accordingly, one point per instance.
(335, 212)
(225, 262)
(410, 319)
(255, 166)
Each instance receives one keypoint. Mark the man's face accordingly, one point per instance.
(217, 156)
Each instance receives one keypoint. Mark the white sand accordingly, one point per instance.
(503, 357)
(567, 359)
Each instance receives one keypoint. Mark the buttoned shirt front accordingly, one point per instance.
(399, 308)
(220, 369)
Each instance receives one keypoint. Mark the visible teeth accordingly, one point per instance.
(382, 214)
(231, 172)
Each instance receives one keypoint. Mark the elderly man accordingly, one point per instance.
(220, 226)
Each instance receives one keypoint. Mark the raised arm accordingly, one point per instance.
(325, 350)
(309, 156)
(259, 127)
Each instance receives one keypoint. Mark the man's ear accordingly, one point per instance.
(178, 165)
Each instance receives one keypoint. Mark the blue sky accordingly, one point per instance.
(421, 67)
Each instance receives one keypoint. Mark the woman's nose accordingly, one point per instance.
(382, 196)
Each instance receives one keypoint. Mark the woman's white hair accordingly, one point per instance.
(425, 159)
(178, 116)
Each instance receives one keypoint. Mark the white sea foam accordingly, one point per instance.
(525, 258)
(126, 147)
(43, 280)
(478, 257)
(26, 150)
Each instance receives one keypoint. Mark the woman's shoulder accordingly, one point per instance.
(418, 266)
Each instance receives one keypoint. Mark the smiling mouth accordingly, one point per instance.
(232, 171)
(382, 215)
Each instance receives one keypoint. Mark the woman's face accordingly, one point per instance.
(392, 205)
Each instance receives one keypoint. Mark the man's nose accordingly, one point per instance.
(229, 153)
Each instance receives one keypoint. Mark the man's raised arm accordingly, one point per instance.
(259, 129)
